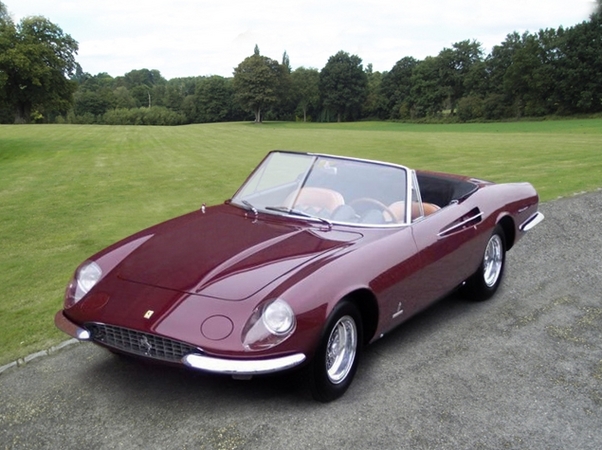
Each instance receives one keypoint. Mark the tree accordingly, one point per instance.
(94, 95)
(36, 61)
(519, 81)
(306, 89)
(6, 26)
(476, 80)
(427, 93)
(499, 68)
(343, 85)
(123, 98)
(284, 109)
(214, 99)
(4, 16)
(455, 64)
(580, 69)
(256, 83)
(179, 96)
(543, 97)
(396, 88)
(146, 86)
(374, 106)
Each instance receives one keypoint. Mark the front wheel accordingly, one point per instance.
(487, 279)
(336, 359)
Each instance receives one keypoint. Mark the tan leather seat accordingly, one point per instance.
(398, 208)
(429, 208)
(314, 197)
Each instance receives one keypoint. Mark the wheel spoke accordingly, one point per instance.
(493, 260)
(341, 349)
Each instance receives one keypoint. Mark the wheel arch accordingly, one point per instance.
(509, 229)
(365, 301)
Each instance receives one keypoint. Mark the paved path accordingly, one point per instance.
(523, 370)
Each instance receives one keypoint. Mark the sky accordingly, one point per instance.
(182, 38)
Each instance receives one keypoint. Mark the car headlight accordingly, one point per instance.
(85, 279)
(278, 317)
(269, 325)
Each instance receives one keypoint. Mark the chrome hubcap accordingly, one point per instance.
(493, 260)
(340, 350)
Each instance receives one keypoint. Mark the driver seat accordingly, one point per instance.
(314, 197)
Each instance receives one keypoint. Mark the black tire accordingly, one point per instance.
(483, 284)
(333, 367)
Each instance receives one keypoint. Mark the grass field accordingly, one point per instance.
(68, 191)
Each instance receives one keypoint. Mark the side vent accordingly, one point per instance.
(470, 219)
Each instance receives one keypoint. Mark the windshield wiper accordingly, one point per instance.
(296, 212)
(250, 206)
(283, 209)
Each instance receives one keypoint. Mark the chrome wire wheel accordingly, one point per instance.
(341, 349)
(484, 283)
(493, 260)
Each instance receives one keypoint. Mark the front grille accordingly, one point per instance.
(137, 343)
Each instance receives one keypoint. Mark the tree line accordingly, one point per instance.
(550, 72)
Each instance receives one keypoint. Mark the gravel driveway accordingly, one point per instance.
(523, 370)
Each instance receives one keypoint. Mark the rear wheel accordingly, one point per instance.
(337, 357)
(487, 279)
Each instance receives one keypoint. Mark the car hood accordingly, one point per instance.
(225, 253)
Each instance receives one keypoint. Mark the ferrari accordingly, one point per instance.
(313, 258)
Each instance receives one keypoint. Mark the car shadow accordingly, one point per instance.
(428, 330)
(141, 380)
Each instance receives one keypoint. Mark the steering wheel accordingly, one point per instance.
(381, 206)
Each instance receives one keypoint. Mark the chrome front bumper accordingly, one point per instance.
(73, 330)
(236, 367)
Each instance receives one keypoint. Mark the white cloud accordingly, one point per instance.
(200, 37)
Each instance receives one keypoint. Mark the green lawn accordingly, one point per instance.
(67, 191)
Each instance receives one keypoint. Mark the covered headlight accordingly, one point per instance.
(85, 279)
(269, 325)
(278, 317)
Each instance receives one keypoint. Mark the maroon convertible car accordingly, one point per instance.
(314, 257)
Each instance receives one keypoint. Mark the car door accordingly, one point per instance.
(444, 244)
(448, 248)
(437, 265)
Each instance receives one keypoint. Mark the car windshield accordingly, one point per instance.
(327, 188)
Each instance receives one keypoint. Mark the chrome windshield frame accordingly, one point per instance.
(410, 176)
